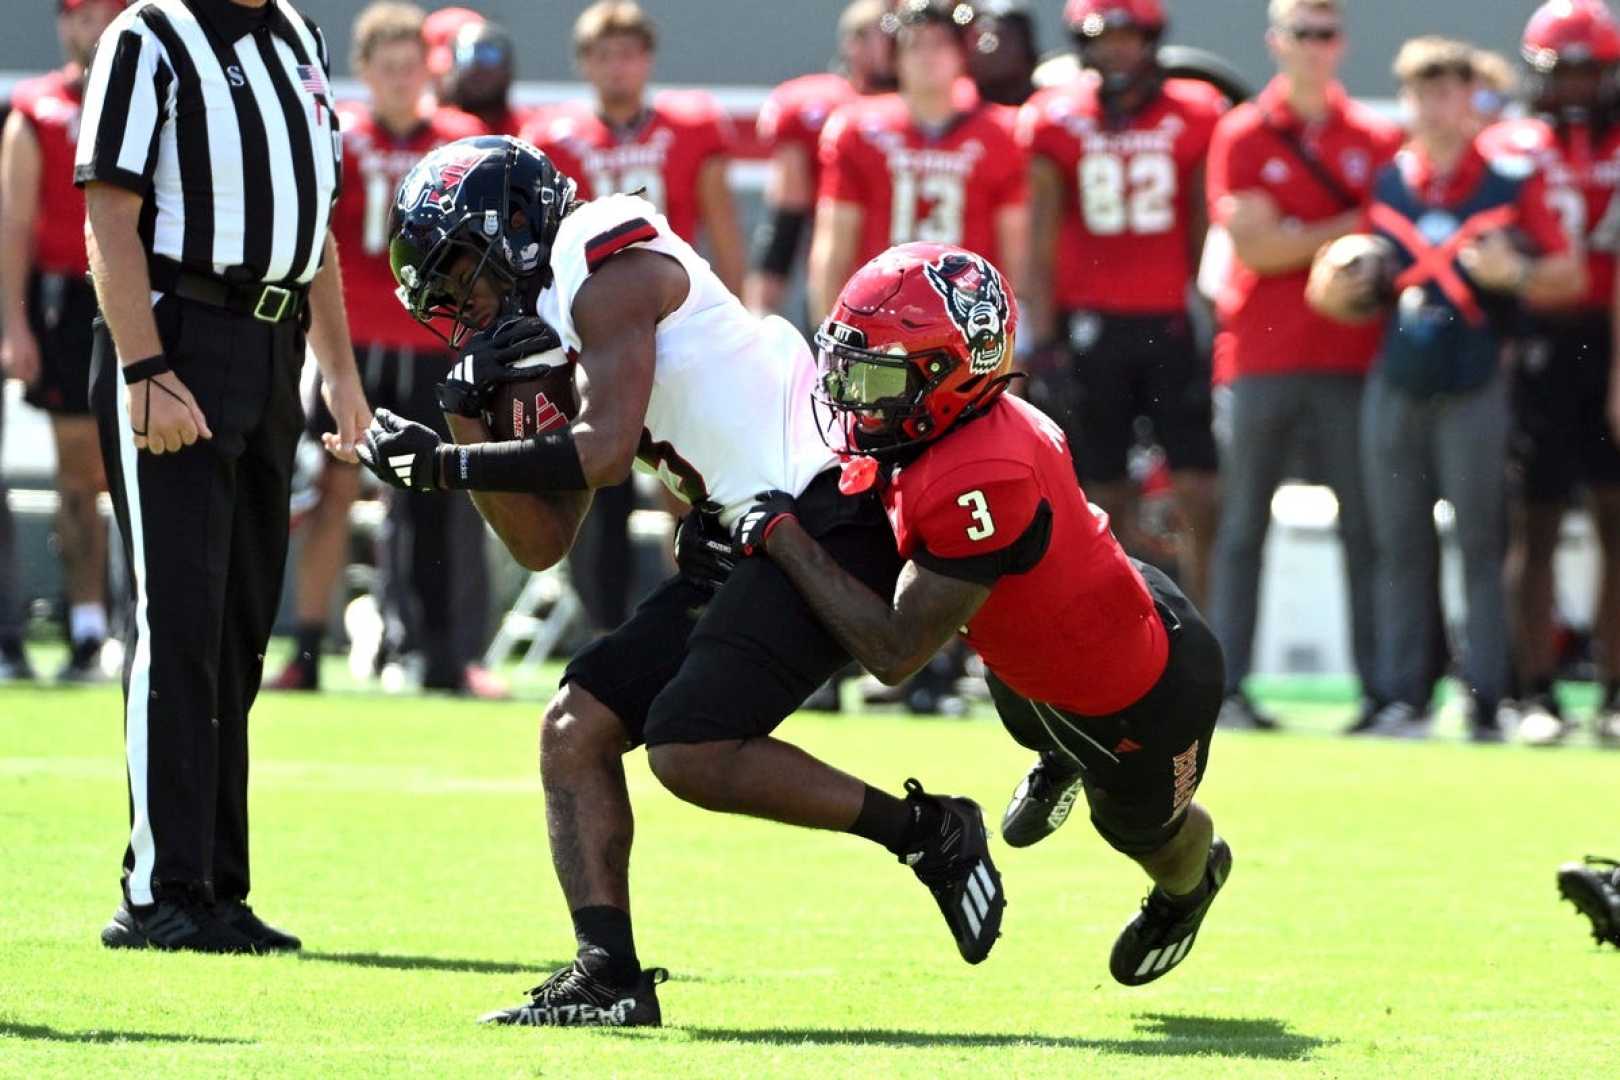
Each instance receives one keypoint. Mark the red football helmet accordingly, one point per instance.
(1089, 18)
(921, 337)
(1571, 49)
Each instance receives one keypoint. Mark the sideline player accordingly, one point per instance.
(923, 164)
(677, 373)
(1566, 399)
(472, 61)
(1117, 221)
(1095, 660)
(673, 149)
(49, 305)
(789, 125)
(399, 361)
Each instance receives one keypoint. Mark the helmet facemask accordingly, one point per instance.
(875, 396)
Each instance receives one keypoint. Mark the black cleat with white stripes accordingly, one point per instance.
(575, 997)
(1043, 800)
(1163, 933)
(1594, 888)
(954, 862)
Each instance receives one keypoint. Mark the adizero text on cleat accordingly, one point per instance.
(573, 997)
(1043, 800)
(954, 862)
(1162, 933)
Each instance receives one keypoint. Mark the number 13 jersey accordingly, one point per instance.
(912, 184)
(1130, 186)
(1069, 620)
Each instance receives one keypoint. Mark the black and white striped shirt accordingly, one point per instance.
(221, 116)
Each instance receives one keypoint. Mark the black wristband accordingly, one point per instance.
(548, 462)
(141, 370)
(776, 241)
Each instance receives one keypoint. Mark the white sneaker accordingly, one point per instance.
(1607, 725)
(1539, 725)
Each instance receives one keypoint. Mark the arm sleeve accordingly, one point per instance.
(1538, 220)
(981, 523)
(125, 108)
(840, 175)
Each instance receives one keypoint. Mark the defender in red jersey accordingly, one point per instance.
(673, 150)
(1117, 216)
(928, 163)
(399, 362)
(789, 126)
(1566, 397)
(473, 63)
(1094, 660)
(48, 308)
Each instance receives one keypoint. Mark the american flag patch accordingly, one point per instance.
(311, 79)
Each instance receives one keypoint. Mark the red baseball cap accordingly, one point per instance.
(439, 35)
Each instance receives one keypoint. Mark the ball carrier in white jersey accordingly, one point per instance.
(675, 372)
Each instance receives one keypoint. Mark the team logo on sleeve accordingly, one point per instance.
(976, 303)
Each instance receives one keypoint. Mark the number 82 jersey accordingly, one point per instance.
(1069, 620)
(1129, 191)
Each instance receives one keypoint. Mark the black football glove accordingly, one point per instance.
(402, 453)
(486, 362)
(703, 551)
(768, 511)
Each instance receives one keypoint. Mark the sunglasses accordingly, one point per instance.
(1465, 72)
(1321, 34)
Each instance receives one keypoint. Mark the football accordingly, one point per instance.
(1371, 260)
(542, 399)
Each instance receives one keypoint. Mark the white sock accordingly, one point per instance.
(87, 622)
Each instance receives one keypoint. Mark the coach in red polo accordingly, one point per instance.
(1287, 173)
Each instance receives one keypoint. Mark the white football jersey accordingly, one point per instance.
(730, 414)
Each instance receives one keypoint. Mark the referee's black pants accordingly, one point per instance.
(205, 532)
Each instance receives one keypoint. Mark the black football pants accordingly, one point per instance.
(205, 533)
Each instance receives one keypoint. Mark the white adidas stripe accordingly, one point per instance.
(972, 916)
(1147, 962)
(136, 722)
(979, 900)
(1167, 957)
(986, 880)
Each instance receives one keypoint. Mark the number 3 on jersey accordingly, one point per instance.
(984, 526)
(1136, 194)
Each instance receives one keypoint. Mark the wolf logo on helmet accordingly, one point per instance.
(976, 303)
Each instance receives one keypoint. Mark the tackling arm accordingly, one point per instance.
(892, 642)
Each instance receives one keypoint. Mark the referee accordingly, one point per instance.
(209, 155)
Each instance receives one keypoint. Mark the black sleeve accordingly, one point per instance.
(1018, 557)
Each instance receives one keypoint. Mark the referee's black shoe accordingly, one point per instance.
(1163, 932)
(953, 860)
(180, 926)
(1043, 800)
(265, 938)
(574, 997)
(1594, 888)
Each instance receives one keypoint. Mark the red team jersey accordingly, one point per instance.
(374, 163)
(913, 186)
(796, 111)
(1129, 192)
(51, 105)
(1078, 628)
(663, 153)
(1582, 174)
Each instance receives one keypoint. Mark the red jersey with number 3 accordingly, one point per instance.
(51, 104)
(1069, 620)
(661, 155)
(374, 163)
(911, 185)
(1130, 191)
(1582, 171)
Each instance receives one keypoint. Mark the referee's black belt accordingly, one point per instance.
(266, 302)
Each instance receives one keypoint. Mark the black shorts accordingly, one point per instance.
(1561, 435)
(61, 308)
(1141, 765)
(689, 667)
(399, 380)
(1130, 366)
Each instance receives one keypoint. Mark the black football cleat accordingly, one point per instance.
(1162, 934)
(954, 862)
(266, 938)
(573, 997)
(180, 927)
(1043, 800)
(1594, 888)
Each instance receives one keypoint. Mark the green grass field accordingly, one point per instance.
(1391, 914)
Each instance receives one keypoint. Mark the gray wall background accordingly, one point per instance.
(761, 42)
